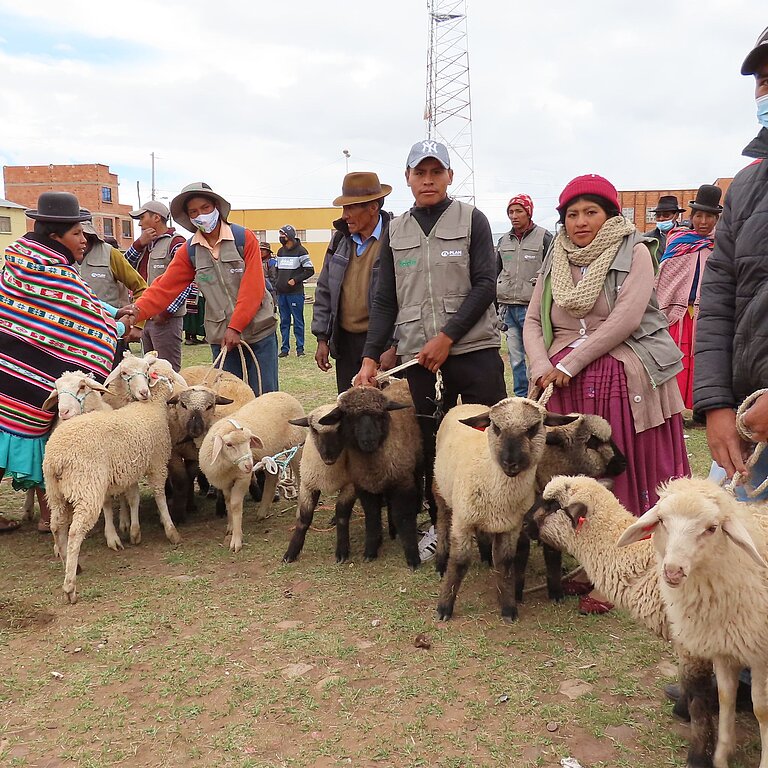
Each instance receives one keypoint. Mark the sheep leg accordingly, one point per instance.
(404, 506)
(235, 512)
(553, 559)
(132, 497)
(82, 522)
(110, 534)
(760, 707)
(485, 547)
(202, 483)
(307, 504)
(504, 545)
(270, 484)
(727, 674)
(191, 467)
(29, 504)
(372, 507)
(443, 530)
(391, 527)
(221, 507)
(59, 523)
(125, 515)
(177, 474)
(345, 502)
(157, 482)
(522, 553)
(697, 688)
(458, 564)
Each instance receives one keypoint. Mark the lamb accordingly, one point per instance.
(382, 442)
(104, 453)
(223, 383)
(129, 381)
(711, 565)
(484, 484)
(323, 469)
(589, 522)
(233, 445)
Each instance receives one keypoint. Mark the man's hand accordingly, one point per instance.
(147, 236)
(134, 334)
(322, 355)
(231, 339)
(435, 352)
(725, 445)
(291, 282)
(366, 376)
(388, 359)
(129, 310)
(756, 419)
(554, 376)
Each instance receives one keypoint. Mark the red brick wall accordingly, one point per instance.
(24, 183)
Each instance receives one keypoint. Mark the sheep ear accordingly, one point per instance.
(302, 422)
(221, 400)
(51, 401)
(179, 379)
(256, 443)
(576, 512)
(555, 438)
(392, 406)
(334, 417)
(559, 420)
(736, 531)
(481, 421)
(218, 444)
(95, 386)
(173, 400)
(641, 529)
(112, 376)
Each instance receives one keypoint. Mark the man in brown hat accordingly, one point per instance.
(150, 255)
(667, 212)
(347, 282)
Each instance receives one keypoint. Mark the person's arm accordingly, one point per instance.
(321, 310)
(124, 273)
(181, 299)
(383, 313)
(252, 286)
(533, 335)
(168, 286)
(307, 268)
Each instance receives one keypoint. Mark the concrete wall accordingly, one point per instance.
(18, 226)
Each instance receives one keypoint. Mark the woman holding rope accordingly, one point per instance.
(594, 330)
(225, 261)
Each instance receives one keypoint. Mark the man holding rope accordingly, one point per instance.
(225, 262)
(437, 284)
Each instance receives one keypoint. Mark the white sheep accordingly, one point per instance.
(129, 381)
(233, 445)
(580, 516)
(104, 453)
(711, 555)
(484, 483)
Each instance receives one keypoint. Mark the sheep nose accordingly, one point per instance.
(247, 467)
(673, 575)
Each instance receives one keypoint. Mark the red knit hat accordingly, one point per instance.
(589, 184)
(524, 201)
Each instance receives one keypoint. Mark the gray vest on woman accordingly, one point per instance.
(96, 271)
(520, 264)
(432, 281)
(219, 282)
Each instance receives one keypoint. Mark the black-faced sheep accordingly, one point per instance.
(485, 482)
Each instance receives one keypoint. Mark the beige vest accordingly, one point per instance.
(432, 281)
(520, 263)
(219, 282)
(158, 262)
(96, 271)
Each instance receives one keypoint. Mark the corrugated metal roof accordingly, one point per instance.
(9, 204)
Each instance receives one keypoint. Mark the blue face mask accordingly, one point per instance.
(665, 226)
(762, 111)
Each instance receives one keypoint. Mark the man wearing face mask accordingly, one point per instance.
(150, 255)
(225, 261)
(667, 212)
(293, 267)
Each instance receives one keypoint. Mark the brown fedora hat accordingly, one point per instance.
(361, 187)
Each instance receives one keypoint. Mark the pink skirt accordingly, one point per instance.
(653, 456)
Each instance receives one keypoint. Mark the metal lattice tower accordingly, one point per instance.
(448, 112)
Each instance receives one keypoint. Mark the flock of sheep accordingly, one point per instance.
(695, 573)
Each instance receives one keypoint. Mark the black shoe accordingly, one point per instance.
(300, 353)
(283, 354)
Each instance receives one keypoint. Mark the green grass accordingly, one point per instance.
(193, 656)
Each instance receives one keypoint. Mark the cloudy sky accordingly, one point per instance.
(259, 99)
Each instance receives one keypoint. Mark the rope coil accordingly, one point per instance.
(740, 478)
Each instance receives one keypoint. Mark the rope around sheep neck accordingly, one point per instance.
(740, 478)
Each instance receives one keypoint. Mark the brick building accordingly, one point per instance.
(637, 205)
(96, 189)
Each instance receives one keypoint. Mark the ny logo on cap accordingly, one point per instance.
(429, 146)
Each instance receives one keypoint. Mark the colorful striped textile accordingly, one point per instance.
(50, 322)
(684, 242)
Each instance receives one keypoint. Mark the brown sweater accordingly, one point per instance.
(353, 300)
(605, 333)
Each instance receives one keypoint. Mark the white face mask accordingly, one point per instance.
(206, 222)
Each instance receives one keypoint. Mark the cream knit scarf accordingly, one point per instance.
(578, 299)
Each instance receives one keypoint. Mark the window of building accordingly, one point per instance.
(650, 216)
(127, 229)
(628, 213)
(5, 224)
(301, 234)
(106, 194)
(109, 227)
(261, 235)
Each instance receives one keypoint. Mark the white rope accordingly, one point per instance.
(740, 478)
(543, 398)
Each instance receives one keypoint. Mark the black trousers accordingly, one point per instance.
(349, 357)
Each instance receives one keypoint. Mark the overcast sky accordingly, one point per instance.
(259, 99)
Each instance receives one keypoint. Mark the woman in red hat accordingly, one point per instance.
(595, 331)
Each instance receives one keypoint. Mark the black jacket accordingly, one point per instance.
(732, 329)
(293, 263)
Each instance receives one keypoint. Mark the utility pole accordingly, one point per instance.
(153, 175)
(345, 152)
(448, 111)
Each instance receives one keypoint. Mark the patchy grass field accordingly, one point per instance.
(192, 656)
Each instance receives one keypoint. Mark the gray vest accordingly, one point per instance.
(520, 264)
(219, 282)
(96, 271)
(158, 262)
(432, 281)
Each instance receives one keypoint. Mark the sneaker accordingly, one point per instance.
(283, 354)
(428, 545)
(300, 353)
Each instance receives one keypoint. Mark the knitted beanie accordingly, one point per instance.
(589, 184)
(524, 201)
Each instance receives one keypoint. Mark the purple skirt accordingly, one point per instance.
(653, 456)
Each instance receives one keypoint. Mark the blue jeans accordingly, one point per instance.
(266, 353)
(514, 317)
(291, 305)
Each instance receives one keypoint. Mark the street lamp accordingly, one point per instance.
(345, 152)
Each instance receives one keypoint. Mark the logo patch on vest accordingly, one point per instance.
(448, 254)
(235, 270)
(98, 274)
(158, 266)
(404, 263)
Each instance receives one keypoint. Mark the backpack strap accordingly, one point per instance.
(191, 252)
(237, 231)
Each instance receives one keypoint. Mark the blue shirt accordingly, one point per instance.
(375, 235)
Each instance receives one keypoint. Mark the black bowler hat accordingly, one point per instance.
(668, 204)
(58, 206)
(707, 199)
